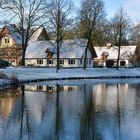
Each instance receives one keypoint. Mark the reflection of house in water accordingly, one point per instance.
(115, 105)
(7, 101)
(37, 100)
(35, 103)
(106, 95)
(50, 88)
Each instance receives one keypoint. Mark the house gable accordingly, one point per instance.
(6, 38)
(39, 34)
(43, 36)
(10, 36)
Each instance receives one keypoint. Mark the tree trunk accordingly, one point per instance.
(88, 42)
(118, 57)
(22, 112)
(58, 115)
(120, 43)
(85, 58)
(23, 58)
(57, 66)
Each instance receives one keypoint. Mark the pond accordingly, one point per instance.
(71, 110)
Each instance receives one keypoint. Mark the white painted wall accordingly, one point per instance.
(33, 62)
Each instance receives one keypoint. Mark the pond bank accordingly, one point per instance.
(28, 75)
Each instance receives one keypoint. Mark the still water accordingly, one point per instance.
(75, 110)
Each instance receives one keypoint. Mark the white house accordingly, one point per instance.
(127, 55)
(43, 53)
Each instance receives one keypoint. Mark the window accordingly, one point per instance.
(50, 61)
(81, 61)
(12, 61)
(39, 61)
(89, 61)
(4, 54)
(71, 61)
(39, 88)
(70, 88)
(7, 40)
(61, 61)
(49, 88)
(123, 63)
(12, 54)
(61, 88)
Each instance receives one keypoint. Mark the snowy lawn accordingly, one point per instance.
(50, 73)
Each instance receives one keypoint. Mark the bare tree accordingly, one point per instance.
(60, 23)
(30, 14)
(135, 35)
(119, 30)
(91, 15)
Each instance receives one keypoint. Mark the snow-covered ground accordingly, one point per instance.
(48, 73)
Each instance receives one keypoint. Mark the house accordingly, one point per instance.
(127, 55)
(10, 44)
(43, 53)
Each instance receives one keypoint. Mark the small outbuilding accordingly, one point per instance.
(127, 55)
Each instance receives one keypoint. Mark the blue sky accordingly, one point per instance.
(131, 7)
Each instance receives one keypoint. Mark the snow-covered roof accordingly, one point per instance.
(36, 34)
(125, 52)
(14, 33)
(69, 49)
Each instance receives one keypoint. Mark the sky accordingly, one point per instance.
(131, 7)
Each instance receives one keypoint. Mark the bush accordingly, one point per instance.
(109, 63)
(4, 63)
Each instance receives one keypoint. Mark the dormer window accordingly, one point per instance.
(104, 55)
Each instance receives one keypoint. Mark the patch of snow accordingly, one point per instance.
(47, 73)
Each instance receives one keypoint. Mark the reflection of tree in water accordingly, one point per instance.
(24, 114)
(87, 117)
(58, 114)
(118, 111)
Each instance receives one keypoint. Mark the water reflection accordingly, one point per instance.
(69, 112)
